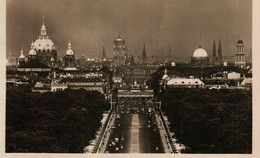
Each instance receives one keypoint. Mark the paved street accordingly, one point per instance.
(135, 132)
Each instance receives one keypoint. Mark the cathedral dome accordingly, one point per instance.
(200, 53)
(44, 44)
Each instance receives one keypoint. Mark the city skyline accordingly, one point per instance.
(163, 24)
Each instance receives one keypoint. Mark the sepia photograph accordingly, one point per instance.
(129, 76)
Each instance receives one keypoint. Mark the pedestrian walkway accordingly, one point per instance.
(162, 134)
(107, 134)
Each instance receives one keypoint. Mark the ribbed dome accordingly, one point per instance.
(200, 52)
(44, 44)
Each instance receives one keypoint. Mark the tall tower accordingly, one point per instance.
(214, 52)
(144, 55)
(21, 59)
(69, 57)
(103, 56)
(32, 53)
(120, 52)
(220, 52)
(240, 59)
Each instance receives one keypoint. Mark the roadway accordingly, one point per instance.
(134, 132)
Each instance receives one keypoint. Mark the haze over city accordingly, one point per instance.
(91, 24)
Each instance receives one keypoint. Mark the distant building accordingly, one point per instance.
(234, 75)
(55, 87)
(103, 56)
(120, 56)
(32, 53)
(219, 56)
(69, 58)
(135, 73)
(34, 66)
(185, 83)
(21, 59)
(200, 57)
(46, 50)
(144, 55)
(240, 59)
(90, 84)
(41, 87)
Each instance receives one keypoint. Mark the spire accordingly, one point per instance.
(214, 50)
(144, 54)
(103, 56)
(219, 51)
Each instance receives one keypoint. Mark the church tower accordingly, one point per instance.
(144, 55)
(103, 56)
(240, 59)
(220, 52)
(214, 52)
(21, 59)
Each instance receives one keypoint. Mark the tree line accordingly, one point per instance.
(210, 121)
(61, 122)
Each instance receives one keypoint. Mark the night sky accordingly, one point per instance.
(90, 24)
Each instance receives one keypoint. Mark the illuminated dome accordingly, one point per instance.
(165, 76)
(69, 51)
(200, 53)
(200, 57)
(21, 55)
(32, 52)
(44, 44)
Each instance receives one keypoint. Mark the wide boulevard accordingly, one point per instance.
(134, 131)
